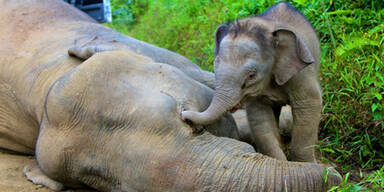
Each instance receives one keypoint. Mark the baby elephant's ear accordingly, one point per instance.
(221, 32)
(292, 54)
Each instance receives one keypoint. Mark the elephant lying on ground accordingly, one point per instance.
(112, 122)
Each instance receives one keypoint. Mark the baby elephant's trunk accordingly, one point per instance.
(221, 102)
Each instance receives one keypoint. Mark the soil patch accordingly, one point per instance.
(12, 178)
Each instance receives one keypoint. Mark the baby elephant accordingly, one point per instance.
(265, 62)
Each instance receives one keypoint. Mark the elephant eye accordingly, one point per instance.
(248, 80)
(251, 75)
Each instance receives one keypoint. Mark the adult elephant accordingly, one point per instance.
(112, 122)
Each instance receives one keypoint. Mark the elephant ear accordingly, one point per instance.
(292, 54)
(221, 32)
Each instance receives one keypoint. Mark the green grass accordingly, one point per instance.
(351, 33)
(372, 183)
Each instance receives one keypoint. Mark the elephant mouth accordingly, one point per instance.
(235, 108)
(239, 105)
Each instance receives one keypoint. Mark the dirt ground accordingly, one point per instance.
(12, 178)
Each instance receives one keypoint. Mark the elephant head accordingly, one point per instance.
(251, 54)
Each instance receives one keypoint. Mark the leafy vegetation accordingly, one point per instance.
(374, 182)
(351, 33)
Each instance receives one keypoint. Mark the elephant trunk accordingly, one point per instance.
(270, 174)
(221, 103)
(228, 165)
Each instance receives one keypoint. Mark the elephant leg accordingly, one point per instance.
(306, 112)
(285, 121)
(34, 174)
(264, 130)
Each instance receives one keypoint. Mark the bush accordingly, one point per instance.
(126, 12)
(187, 26)
(352, 69)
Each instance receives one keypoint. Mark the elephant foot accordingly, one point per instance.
(269, 144)
(34, 174)
(303, 155)
(303, 159)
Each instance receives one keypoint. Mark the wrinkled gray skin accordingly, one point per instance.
(112, 122)
(268, 61)
(98, 41)
(110, 40)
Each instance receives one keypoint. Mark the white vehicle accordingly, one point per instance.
(100, 10)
